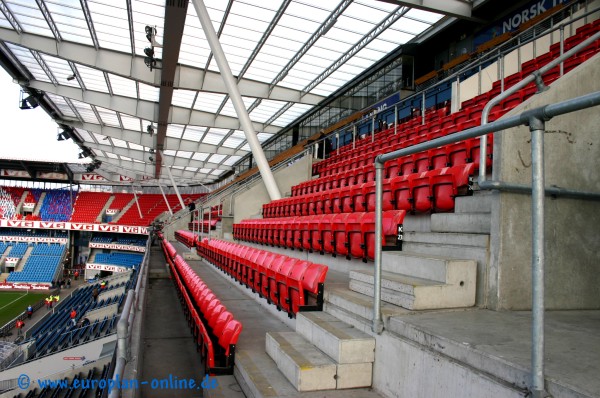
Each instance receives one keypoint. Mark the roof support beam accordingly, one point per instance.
(456, 8)
(147, 110)
(143, 156)
(143, 171)
(133, 67)
(145, 139)
(175, 13)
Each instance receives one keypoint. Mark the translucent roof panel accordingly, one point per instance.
(310, 46)
(69, 17)
(111, 25)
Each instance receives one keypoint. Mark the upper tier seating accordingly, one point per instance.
(151, 206)
(88, 206)
(119, 239)
(56, 205)
(121, 200)
(215, 330)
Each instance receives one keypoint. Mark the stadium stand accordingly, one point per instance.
(88, 206)
(42, 264)
(128, 260)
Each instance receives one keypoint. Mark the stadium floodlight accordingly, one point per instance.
(60, 137)
(150, 129)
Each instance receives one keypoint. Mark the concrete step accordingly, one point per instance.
(417, 222)
(342, 342)
(446, 238)
(420, 266)
(306, 367)
(223, 387)
(258, 377)
(420, 294)
(357, 309)
(477, 223)
(478, 203)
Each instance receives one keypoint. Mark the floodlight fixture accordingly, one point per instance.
(71, 77)
(60, 137)
(150, 129)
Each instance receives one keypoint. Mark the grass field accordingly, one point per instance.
(13, 303)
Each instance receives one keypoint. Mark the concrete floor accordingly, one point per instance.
(168, 348)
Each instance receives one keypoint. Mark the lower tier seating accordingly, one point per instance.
(343, 234)
(213, 327)
(291, 284)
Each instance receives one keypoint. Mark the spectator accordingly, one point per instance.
(56, 298)
(95, 293)
(73, 316)
(29, 311)
(102, 285)
(19, 325)
(49, 301)
(69, 283)
(192, 208)
(76, 275)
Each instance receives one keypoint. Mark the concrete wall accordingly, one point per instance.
(419, 372)
(248, 203)
(572, 150)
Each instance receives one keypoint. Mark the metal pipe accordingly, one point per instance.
(377, 318)
(545, 112)
(210, 215)
(136, 201)
(550, 191)
(536, 126)
(373, 129)
(165, 198)
(337, 140)
(174, 185)
(513, 89)
(423, 108)
(562, 47)
(122, 346)
(354, 136)
(396, 119)
(236, 100)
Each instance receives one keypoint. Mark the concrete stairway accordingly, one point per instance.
(323, 354)
(104, 208)
(442, 256)
(38, 205)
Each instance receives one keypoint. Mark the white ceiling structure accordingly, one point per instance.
(86, 59)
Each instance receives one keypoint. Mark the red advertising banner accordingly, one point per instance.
(62, 241)
(74, 226)
(24, 286)
(105, 267)
(115, 246)
(92, 177)
(14, 173)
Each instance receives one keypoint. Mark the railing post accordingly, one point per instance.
(536, 126)
(377, 318)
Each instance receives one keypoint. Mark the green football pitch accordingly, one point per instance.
(14, 303)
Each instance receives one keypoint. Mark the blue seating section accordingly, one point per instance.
(18, 249)
(57, 333)
(3, 247)
(48, 249)
(121, 259)
(41, 265)
(119, 239)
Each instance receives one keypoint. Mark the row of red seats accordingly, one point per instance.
(203, 226)
(188, 238)
(213, 327)
(432, 115)
(433, 190)
(291, 284)
(343, 234)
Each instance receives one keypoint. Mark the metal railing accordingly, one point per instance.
(125, 324)
(535, 119)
